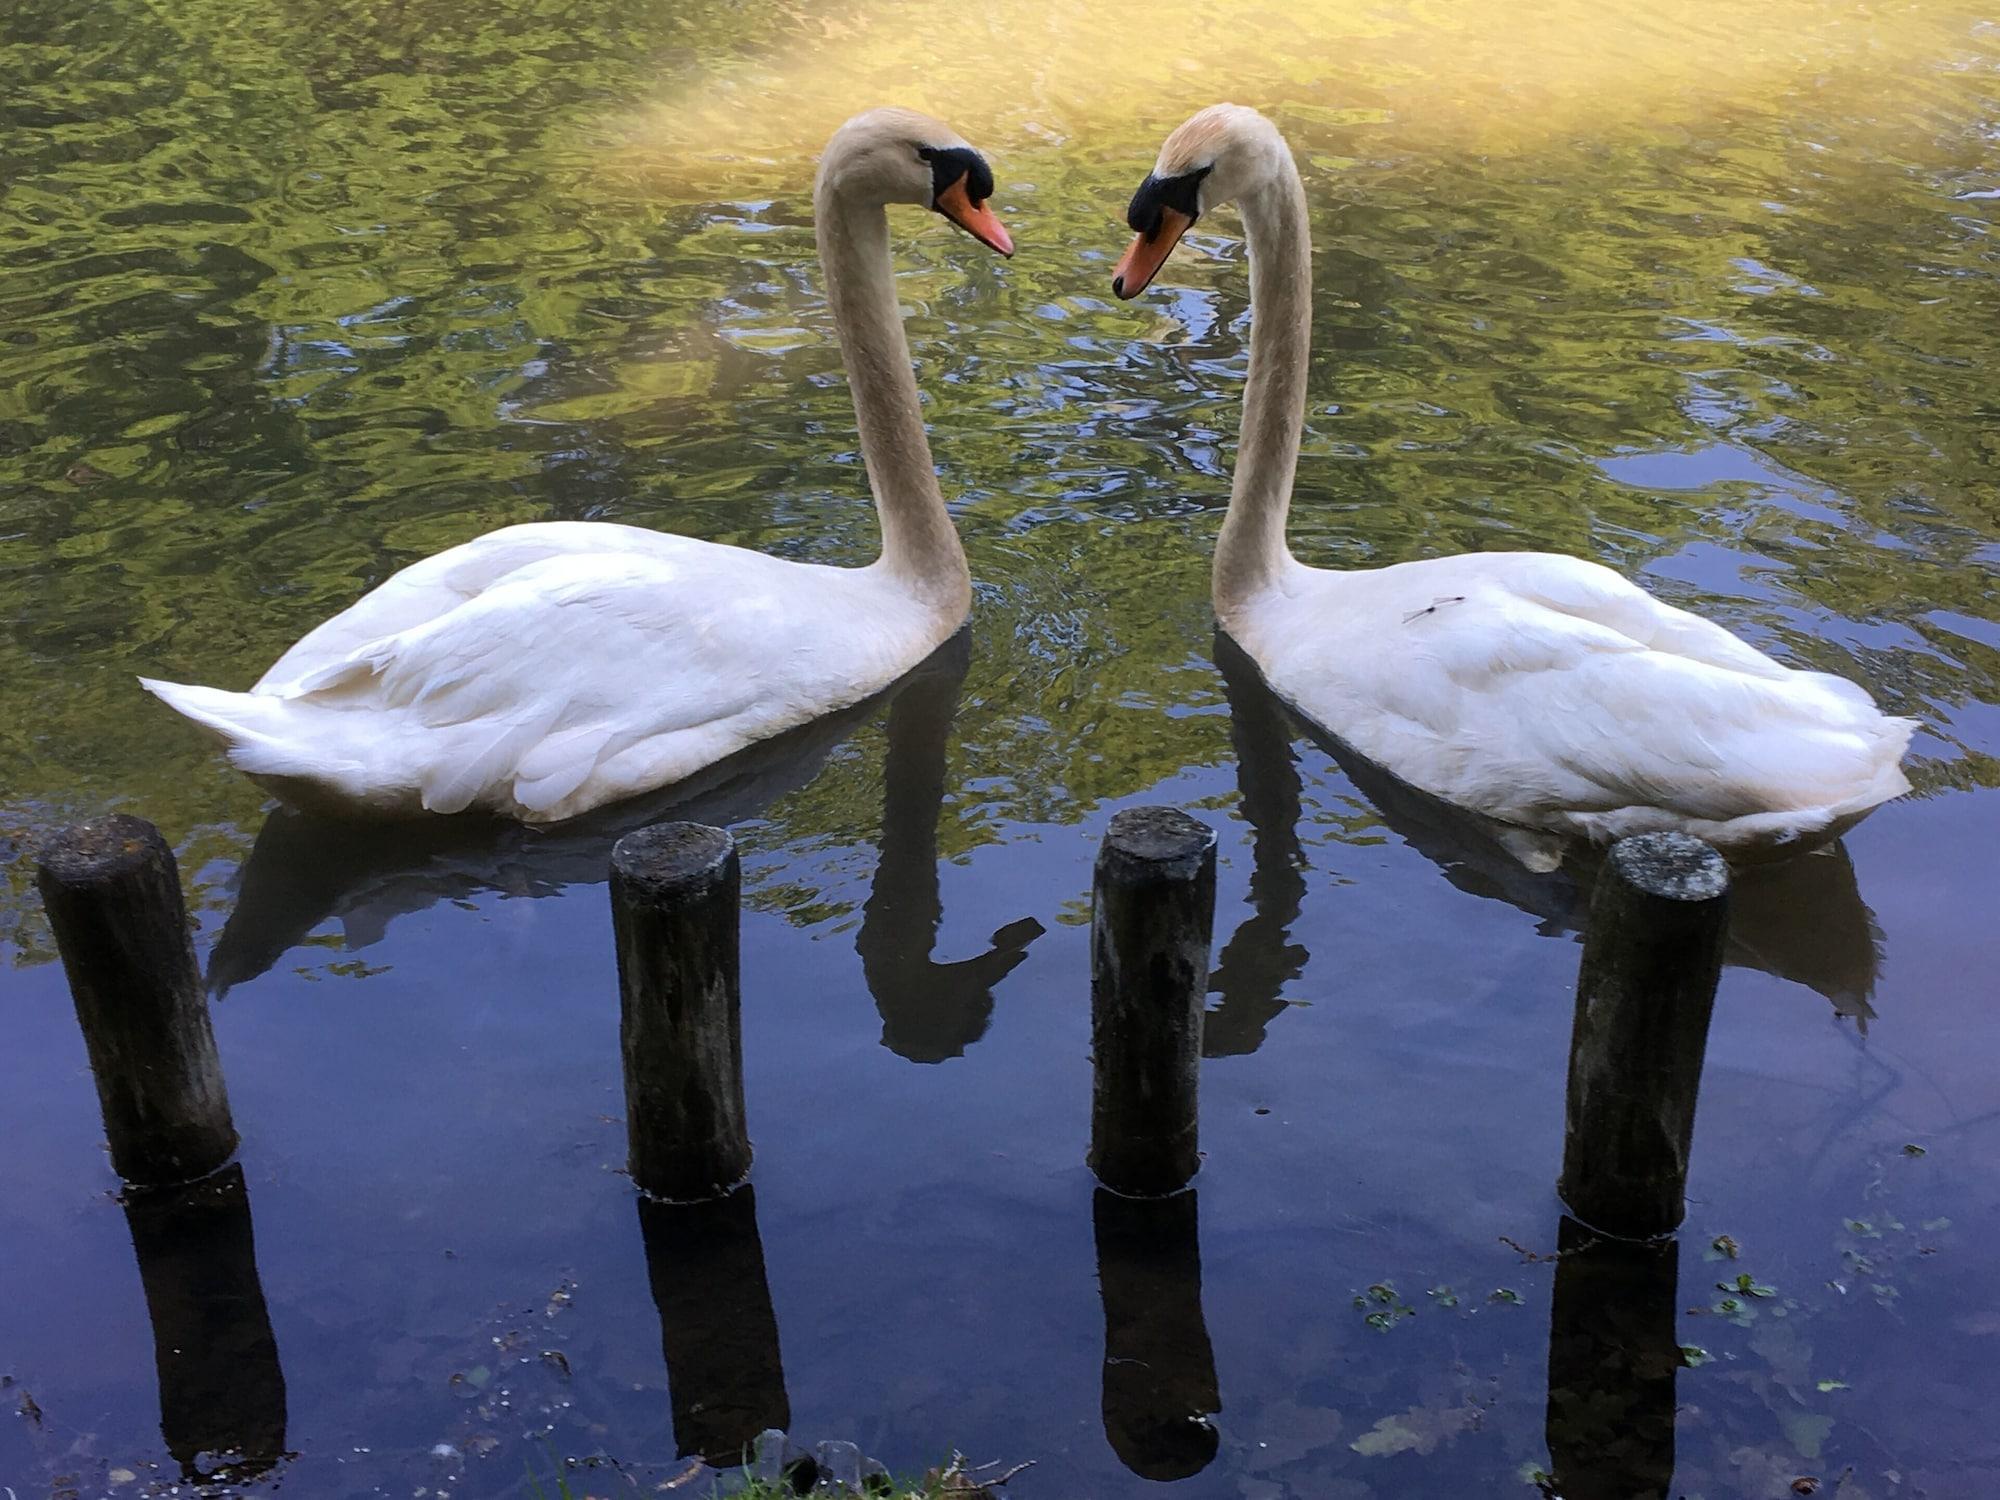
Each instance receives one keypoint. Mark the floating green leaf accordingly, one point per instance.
(1748, 1286)
(1736, 1311)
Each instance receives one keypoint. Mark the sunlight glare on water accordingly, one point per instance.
(1490, 78)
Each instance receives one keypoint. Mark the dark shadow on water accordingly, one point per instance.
(222, 1391)
(1159, 1368)
(303, 870)
(1613, 1360)
(725, 1376)
(1801, 920)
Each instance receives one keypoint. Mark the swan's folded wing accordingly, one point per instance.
(433, 588)
(1611, 699)
(569, 660)
(1594, 594)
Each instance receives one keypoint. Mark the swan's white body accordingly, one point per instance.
(1544, 691)
(544, 670)
(1551, 693)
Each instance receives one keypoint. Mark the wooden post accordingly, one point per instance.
(1159, 1367)
(113, 894)
(725, 1376)
(222, 1390)
(1651, 955)
(1152, 916)
(674, 893)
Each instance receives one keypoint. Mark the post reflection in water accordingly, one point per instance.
(1801, 919)
(718, 1331)
(930, 1011)
(1612, 1362)
(1159, 1369)
(303, 870)
(222, 1391)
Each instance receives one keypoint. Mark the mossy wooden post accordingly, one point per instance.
(113, 893)
(1651, 955)
(674, 894)
(1152, 918)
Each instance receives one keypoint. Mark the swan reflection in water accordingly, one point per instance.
(303, 871)
(1802, 919)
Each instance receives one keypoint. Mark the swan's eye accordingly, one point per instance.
(1182, 194)
(951, 163)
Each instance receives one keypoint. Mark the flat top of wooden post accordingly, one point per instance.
(1158, 835)
(1672, 866)
(672, 854)
(100, 849)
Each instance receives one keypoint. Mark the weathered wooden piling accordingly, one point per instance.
(1159, 1367)
(1152, 918)
(113, 893)
(718, 1331)
(674, 894)
(1645, 988)
(222, 1389)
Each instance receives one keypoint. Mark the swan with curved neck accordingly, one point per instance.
(1541, 690)
(544, 670)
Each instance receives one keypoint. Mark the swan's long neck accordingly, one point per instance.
(919, 543)
(1251, 553)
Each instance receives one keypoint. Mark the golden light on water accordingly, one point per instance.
(1428, 74)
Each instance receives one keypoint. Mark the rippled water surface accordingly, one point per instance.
(293, 295)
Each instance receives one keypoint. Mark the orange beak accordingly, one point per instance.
(976, 219)
(1148, 253)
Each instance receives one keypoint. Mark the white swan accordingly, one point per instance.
(1540, 690)
(544, 670)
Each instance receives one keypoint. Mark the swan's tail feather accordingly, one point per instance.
(259, 733)
(1889, 781)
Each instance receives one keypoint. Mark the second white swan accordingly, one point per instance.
(544, 670)
(1540, 690)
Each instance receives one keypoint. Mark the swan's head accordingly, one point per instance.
(899, 156)
(1220, 155)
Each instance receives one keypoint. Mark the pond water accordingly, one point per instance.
(293, 295)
